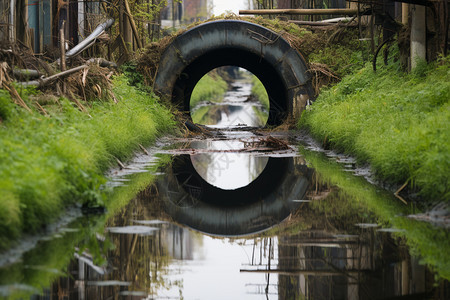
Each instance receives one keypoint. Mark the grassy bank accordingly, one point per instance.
(259, 91)
(397, 122)
(47, 163)
(209, 88)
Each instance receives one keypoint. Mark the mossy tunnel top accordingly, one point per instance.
(281, 69)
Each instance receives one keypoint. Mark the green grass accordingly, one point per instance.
(259, 91)
(208, 88)
(48, 163)
(397, 122)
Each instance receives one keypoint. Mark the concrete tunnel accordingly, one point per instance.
(265, 53)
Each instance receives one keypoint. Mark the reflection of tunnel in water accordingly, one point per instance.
(228, 170)
(263, 203)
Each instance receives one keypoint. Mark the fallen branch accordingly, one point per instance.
(15, 96)
(45, 81)
(6, 84)
(322, 24)
(26, 73)
(396, 194)
(143, 149)
(90, 40)
(121, 165)
(42, 109)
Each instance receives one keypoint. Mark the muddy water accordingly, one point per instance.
(242, 215)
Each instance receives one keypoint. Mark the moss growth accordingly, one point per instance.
(395, 121)
(49, 163)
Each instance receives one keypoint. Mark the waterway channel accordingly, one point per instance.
(238, 214)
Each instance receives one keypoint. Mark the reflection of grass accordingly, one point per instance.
(49, 260)
(397, 122)
(138, 182)
(262, 115)
(40, 266)
(430, 243)
(206, 115)
(199, 116)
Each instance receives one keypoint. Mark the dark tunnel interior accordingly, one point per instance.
(266, 72)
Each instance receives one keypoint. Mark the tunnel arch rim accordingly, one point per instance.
(274, 86)
(185, 49)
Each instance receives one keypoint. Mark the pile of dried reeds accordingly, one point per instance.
(84, 79)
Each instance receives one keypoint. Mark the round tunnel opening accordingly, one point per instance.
(229, 96)
(281, 68)
(263, 70)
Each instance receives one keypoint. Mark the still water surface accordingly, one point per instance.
(288, 234)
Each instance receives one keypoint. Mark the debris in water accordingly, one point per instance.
(366, 225)
(150, 222)
(345, 236)
(109, 283)
(390, 230)
(142, 230)
(266, 144)
(133, 293)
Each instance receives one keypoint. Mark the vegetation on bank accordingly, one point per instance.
(259, 91)
(209, 88)
(397, 122)
(48, 163)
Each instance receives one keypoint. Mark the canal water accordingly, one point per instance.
(237, 214)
